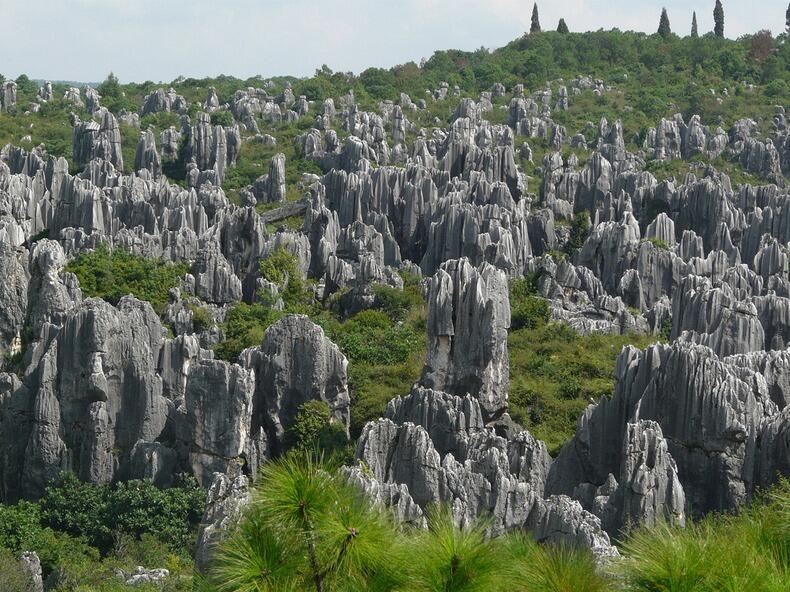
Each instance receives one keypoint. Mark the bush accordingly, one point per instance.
(201, 318)
(99, 512)
(113, 275)
(528, 311)
(750, 551)
(313, 431)
(371, 337)
(245, 326)
(395, 303)
(580, 228)
(223, 118)
(282, 268)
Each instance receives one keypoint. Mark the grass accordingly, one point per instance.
(746, 552)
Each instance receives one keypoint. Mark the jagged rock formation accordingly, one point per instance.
(432, 447)
(92, 139)
(106, 391)
(146, 156)
(468, 318)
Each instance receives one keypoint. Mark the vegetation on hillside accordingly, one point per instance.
(111, 275)
(83, 533)
(554, 371)
(308, 530)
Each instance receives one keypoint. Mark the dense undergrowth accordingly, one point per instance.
(111, 275)
(308, 530)
(83, 533)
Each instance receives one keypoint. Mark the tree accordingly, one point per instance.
(664, 28)
(787, 18)
(110, 87)
(694, 29)
(562, 27)
(718, 19)
(762, 46)
(535, 26)
(309, 530)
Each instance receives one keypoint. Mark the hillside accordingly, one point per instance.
(535, 293)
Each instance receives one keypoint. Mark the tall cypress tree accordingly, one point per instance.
(718, 19)
(787, 19)
(535, 27)
(562, 27)
(694, 30)
(663, 26)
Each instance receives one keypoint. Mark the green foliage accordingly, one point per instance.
(664, 28)
(245, 326)
(12, 576)
(580, 228)
(395, 303)
(718, 19)
(110, 88)
(201, 318)
(661, 244)
(370, 337)
(750, 551)
(460, 559)
(313, 431)
(98, 512)
(223, 118)
(112, 275)
(307, 530)
(553, 373)
(528, 310)
(562, 27)
(534, 26)
(533, 568)
(282, 268)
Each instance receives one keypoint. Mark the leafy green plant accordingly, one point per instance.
(110, 275)
(306, 530)
(98, 512)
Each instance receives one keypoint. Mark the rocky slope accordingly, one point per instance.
(114, 392)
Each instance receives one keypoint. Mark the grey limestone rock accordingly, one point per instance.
(31, 566)
(228, 496)
(146, 156)
(468, 318)
(296, 363)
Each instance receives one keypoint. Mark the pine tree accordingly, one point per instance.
(694, 30)
(787, 19)
(535, 27)
(718, 18)
(663, 27)
(562, 27)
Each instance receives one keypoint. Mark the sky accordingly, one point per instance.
(159, 40)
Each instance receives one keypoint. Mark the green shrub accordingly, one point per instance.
(282, 268)
(580, 228)
(223, 118)
(371, 337)
(99, 512)
(113, 275)
(395, 303)
(313, 431)
(245, 326)
(527, 309)
(661, 244)
(201, 318)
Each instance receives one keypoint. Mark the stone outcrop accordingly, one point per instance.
(468, 318)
